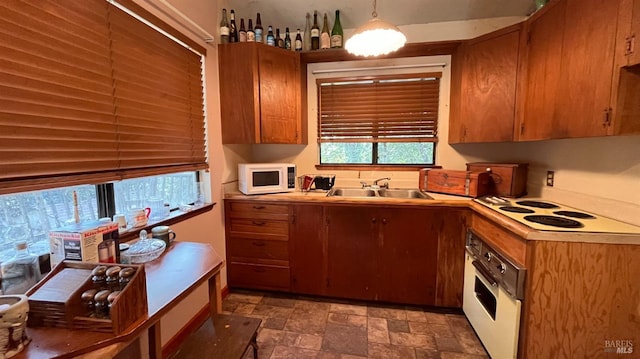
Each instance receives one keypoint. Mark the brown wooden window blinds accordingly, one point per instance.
(390, 108)
(90, 94)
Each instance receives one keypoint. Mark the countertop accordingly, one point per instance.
(170, 278)
(445, 200)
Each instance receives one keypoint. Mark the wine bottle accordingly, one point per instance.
(242, 33)
(279, 40)
(258, 29)
(306, 45)
(271, 40)
(325, 37)
(224, 28)
(336, 32)
(251, 35)
(287, 39)
(315, 33)
(233, 31)
(298, 45)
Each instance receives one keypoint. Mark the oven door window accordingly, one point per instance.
(266, 178)
(486, 298)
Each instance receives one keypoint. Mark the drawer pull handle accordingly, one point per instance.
(258, 243)
(259, 270)
(257, 223)
(258, 207)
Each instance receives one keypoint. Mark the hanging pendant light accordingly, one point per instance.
(376, 37)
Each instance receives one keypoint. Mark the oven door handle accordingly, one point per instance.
(485, 273)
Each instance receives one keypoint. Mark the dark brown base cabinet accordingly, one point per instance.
(395, 254)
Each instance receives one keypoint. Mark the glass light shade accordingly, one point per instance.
(375, 38)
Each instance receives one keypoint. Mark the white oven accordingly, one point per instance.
(493, 289)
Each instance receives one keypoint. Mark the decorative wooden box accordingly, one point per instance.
(505, 179)
(462, 183)
(56, 300)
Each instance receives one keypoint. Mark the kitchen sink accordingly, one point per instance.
(352, 192)
(403, 193)
(380, 193)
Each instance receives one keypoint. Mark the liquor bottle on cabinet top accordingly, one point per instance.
(325, 37)
(279, 40)
(287, 39)
(298, 45)
(306, 44)
(242, 33)
(315, 33)
(258, 29)
(271, 40)
(251, 35)
(336, 32)
(233, 31)
(224, 28)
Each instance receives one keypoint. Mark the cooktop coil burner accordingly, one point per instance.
(554, 221)
(537, 204)
(517, 209)
(574, 214)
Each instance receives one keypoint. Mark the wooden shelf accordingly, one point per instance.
(409, 50)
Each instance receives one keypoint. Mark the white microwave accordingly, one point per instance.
(260, 178)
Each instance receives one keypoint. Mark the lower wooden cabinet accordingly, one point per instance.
(307, 249)
(257, 241)
(396, 254)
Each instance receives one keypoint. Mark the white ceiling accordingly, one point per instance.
(353, 13)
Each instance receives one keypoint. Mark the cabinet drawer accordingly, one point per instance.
(258, 210)
(258, 276)
(258, 248)
(245, 227)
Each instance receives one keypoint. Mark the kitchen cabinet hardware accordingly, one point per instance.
(258, 223)
(258, 207)
(606, 117)
(258, 243)
(629, 45)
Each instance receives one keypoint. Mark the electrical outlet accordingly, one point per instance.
(550, 177)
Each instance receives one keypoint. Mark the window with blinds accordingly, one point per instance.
(90, 94)
(382, 120)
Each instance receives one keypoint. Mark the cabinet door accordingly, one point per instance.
(634, 35)
(451, 249)
(489, 86)
(542, 71)
(408, 255)
(308, 252)
(583, 101)
(239, 106)
(279, 96)
(352, 249)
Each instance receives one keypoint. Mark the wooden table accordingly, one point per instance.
(171, 278)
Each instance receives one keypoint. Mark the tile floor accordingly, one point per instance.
(299, 327)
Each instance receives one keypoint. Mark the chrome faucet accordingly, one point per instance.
(384, 185)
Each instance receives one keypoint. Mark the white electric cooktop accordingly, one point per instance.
(545, 215)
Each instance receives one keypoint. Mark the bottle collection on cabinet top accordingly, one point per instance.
(312, 37)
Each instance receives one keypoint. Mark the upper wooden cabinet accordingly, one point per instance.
(629, 32)
(634, 36)
(484, 78)
(583, 107)
(540, 72)
(261, 95)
